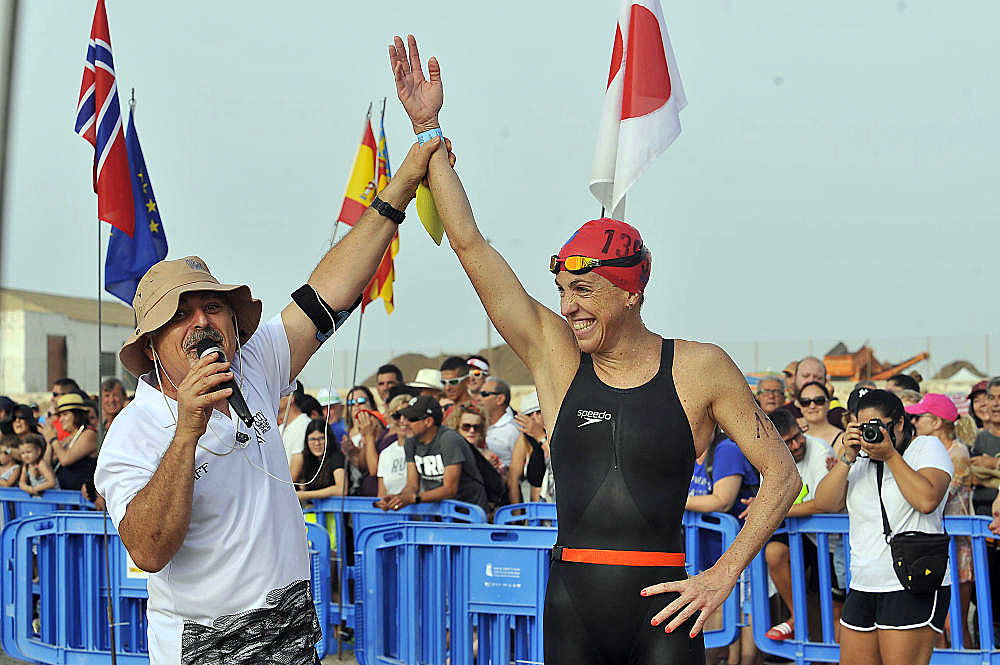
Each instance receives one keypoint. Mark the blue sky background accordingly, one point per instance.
(835, 178)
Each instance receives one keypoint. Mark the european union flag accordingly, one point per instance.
(129, 258)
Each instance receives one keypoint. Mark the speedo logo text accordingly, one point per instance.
(591, 417)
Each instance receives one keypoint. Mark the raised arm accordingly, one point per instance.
(732, 405)
(349, 265)
(534, 332)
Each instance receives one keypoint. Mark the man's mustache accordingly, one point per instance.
(197, 336)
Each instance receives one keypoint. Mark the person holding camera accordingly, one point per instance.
(894, 485)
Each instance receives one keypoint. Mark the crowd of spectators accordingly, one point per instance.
(452, 433)
(57, 449)
(937, 463)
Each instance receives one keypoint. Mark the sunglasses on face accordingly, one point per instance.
(487, 393)
(357, 400)
(454, 382)
(579, 265)
(818, 401)
(414, 419)
(469, 427)
(478, 372)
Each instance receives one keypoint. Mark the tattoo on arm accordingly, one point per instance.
(760, 423)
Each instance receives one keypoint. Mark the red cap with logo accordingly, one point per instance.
(607, 238)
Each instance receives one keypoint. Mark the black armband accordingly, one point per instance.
(326, 319)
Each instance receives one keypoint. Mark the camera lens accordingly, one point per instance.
(871, 431)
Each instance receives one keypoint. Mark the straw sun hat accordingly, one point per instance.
(70, 402)
(159, 294)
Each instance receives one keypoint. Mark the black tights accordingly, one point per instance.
(594, 615)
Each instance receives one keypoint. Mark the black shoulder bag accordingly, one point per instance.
(919, 559)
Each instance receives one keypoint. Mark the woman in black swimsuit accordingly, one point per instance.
(631, 413)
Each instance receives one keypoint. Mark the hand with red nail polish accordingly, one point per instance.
(702, 593)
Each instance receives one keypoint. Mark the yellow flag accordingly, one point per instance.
(428, 214)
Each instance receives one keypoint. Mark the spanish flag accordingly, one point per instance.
(381, 284)
(361, 185)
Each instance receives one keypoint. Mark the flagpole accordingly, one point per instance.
(357, 348)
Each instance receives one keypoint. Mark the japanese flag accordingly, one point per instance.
(640, 116)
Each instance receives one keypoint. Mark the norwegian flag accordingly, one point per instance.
(99, 121)
(640, 116)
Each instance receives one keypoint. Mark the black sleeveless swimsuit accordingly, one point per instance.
(622, 460)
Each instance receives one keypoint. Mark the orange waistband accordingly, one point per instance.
(619, 557)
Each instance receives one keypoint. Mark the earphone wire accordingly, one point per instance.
(239, 353)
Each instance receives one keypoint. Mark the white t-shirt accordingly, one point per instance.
(293, 435)
(241, 576)
(871, 560)
(812, 467)
(392, 467)
(502, 435)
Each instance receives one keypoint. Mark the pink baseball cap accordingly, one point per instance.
(936, 405)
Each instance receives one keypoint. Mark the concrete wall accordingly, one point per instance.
(25, 350)
(12, 356)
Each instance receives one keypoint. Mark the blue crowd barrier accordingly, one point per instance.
(823, 648)
(15, 502)
(528, 514)
(449, 580)
(353, 514)
(62, 616)
(69, 597)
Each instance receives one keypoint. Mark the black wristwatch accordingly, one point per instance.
(416, 498)
(387, 210)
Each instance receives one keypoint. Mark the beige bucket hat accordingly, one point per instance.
(158, 295)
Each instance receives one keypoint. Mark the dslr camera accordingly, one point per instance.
(871, 431)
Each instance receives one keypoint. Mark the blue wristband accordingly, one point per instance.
(424, 137)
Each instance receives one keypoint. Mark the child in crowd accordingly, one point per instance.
(36, 474)
(10, 470)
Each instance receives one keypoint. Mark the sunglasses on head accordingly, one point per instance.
(818, 401)
(478, 372)
(487, 393)
(469, 427)
(454, 382)
(579, 265)
(357, 400)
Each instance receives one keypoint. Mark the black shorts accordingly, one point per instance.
(895, 610)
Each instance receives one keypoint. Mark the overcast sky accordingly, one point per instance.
(835, 177)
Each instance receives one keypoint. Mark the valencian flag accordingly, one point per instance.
(381, 284)
(99, 121)
(361, 185)
(130, 257)
(640, 116)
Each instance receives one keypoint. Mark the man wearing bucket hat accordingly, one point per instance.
(203, 499)
(634, 410)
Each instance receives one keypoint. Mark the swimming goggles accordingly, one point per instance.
(579, 265)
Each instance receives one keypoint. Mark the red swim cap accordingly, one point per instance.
(609, 239)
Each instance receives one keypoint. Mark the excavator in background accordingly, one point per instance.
(862, 364)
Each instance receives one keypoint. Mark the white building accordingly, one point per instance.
(44, 337)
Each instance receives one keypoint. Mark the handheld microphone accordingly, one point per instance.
(236, 401)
